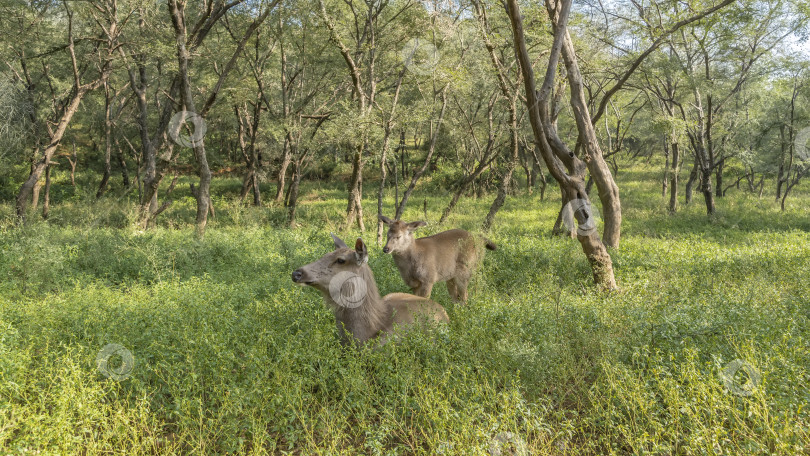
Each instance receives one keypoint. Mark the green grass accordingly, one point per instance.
(231, 357)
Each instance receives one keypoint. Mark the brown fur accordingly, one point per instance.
(450, 256)
(375, 315)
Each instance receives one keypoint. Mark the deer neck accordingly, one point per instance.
(405, 258)
(369, 318)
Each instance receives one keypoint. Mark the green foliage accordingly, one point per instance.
(231, 357)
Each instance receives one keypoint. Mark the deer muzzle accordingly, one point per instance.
(297, 275)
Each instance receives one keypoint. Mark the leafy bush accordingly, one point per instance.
(231, 357)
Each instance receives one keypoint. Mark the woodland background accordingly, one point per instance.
(680, 127)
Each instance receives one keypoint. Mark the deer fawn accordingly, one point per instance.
(450, 255)
(350, 291)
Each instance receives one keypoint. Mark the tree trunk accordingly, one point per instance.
(673, 183)
(203, 192)
(691, 182)
(46, 206)
(35, 196)
(292, 198)
(286, 157)
(597, 167)
(706, 188)
(122, 161)
(73, 160)
(33, 179)
(354, 210)
(247, 182)
(298, 171)
(780, 176)
(500, 199)
(105, 178)
(592, 246)
(257, 191)
(665, 180)
(467, 181)
(510, 168)
(719, 179)
(384, 155)
(70, 107)
(431, 149)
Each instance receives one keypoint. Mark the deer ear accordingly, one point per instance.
(414, 225)
(360, 252)
(339, 244)
(385, 219)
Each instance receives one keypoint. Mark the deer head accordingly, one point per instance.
(400, 234)
(342, 262)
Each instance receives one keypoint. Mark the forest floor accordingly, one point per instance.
(704, 349)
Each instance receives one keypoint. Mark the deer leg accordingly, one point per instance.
(413, 285)
(462, 294)
(452, 289)
(424, 290)
(461, 288)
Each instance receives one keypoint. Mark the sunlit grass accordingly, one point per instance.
(230, 356)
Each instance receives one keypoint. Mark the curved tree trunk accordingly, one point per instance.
(542, 127)
(28, 186)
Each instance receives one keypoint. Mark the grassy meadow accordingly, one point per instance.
(230, 357)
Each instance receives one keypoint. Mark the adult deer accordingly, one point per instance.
(350, 291)
(450, 256)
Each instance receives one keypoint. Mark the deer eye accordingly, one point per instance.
(340, 261)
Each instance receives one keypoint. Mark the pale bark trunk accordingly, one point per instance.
(592, 246)
(203, 192)
(598, 168)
